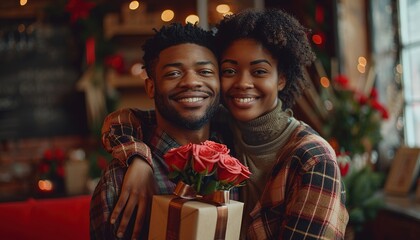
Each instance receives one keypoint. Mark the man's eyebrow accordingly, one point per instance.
(176, 64)
(260, 61)
(229, 61)
(205, 63)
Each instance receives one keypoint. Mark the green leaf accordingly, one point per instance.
(210, 187)
(173, 175)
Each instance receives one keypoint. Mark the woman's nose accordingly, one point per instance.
(244, 81)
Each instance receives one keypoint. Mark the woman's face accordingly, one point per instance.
(249, 79)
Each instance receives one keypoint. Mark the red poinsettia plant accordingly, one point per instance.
(206, 167)
(356, 125)
(52, 164)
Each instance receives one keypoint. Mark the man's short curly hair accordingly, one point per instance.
(279, 33)
(171, 35)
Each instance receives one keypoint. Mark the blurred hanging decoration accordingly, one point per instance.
(79, 9)
(86, 19)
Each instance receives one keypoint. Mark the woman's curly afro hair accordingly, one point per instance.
(279, 33)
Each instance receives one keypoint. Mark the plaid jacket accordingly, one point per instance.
(304, 197)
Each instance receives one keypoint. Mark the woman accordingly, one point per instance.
(295, 189)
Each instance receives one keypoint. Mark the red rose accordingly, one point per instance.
(204, 158)
(44, 168)
(228, 168)
(361, 98)
(342, 80)
(48, 155)
(177, 158)
(60, 171)
(59, 154)
(374, 93)
(245, 173)
(218, 147)
(344, 168)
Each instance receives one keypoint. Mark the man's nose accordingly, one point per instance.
(190, 79)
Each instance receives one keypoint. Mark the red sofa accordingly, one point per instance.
(61, 218)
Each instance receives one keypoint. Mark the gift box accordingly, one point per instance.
(197, 219)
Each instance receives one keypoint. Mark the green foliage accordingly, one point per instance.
(362, 200)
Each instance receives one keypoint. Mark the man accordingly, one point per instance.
(183, 81)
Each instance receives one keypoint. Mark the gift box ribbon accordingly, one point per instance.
(186, 193)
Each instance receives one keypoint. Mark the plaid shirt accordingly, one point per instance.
(304, 197)
(122, 133)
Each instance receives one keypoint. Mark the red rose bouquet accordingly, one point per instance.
(206, 167)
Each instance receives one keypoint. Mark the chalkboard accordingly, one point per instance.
(39, 68)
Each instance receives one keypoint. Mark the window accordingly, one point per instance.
(409, 16)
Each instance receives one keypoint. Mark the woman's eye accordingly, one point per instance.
(228, 72)
(260, 71)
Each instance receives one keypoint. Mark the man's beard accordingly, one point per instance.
(174, 117)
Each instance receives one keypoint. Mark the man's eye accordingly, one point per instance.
(206, 72)
(173, 74)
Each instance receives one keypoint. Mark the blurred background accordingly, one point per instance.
(66, 64)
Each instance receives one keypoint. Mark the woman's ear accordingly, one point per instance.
(149, 86)
(281, 83)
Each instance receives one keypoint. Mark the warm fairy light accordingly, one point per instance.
(23, 2)
(137, 69)
(399, 68)
(167, 15)
(134, 5)
(21, 28)
(328, 105)
(361, 68)
(192, 19)
(325, 82)
(45, 185)
(317, 39)
(222, 8)
(362, 61)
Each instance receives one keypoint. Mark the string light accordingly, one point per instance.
(362, 61)
(45, 185)
(23, 2)
(317, 39)
(361, 68)
(134, 5)
(325, 82)
(399, 68)
(167, 15)
(223, 8)
(192, 19)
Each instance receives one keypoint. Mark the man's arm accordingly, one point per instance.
(103, 201)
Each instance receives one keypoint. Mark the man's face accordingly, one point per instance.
(186, 85)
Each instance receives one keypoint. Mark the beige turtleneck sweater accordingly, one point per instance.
(257, 144)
